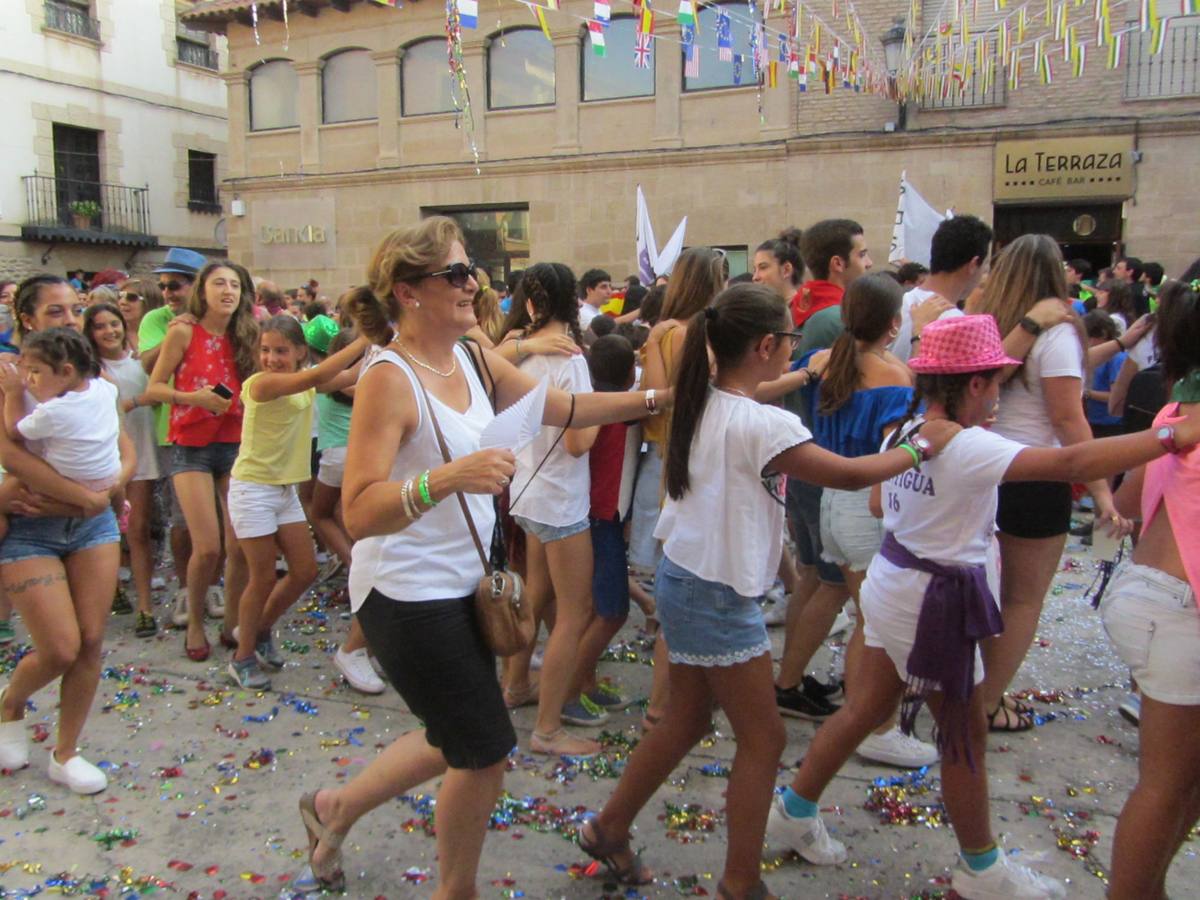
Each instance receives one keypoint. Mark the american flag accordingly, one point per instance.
(724, 37)
(641, 50)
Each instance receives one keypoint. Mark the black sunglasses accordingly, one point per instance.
(458, 274)
(793, 336)
(171, 285)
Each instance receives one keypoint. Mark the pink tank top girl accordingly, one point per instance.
(1173, 482)
(207, 362)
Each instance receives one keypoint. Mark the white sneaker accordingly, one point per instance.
(895, 748)
(1005, 880)
(78, 774)
(840, 624)
(14, 743)
(356, 667)
(214, 602)
(806, 836)
(776, 594)
(775, 614)
(123, 573)
(179, 617)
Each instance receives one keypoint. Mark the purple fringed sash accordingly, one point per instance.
(958, 611)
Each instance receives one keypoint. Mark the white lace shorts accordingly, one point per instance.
(707, 623)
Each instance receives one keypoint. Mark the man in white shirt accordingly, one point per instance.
(595, 286)
(957, 260)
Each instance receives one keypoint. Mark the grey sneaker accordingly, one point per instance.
(268, 654)
(583, 712)
(608, 698)
(248, 675)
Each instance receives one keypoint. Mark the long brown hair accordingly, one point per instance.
(869, 309)
(739, 317)
(696, 279)
(242, 329)
(404, 255)
(487, 308)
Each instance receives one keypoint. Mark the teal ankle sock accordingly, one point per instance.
(979, 860)
(797, 807)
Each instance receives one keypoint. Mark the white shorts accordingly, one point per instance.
(333, 466)
(258, 510)
(1152, 621)
(891, 600)
(850, 535)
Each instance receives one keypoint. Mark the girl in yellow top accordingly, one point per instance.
(264, 506)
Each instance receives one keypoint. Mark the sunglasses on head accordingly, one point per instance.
(458, 274)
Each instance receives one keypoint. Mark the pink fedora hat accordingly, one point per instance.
(961, 344)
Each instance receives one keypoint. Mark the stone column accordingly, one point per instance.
(387, 74)
(566, 92)
(475, 61)
(308, 111)
(668, 87)
(237, 83)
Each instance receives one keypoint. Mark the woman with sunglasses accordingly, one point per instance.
(136, 298)
(59, 566)
(415, 566)
(209, 355)
(858, 394)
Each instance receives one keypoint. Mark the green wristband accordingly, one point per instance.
(423, 489)
(916, 454)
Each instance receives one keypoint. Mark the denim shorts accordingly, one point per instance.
(707, 623)
(804, 513)
(850, 535)
(58, 537)
(1152, 621)
(215, 459)
(548, 533)
(610, 575)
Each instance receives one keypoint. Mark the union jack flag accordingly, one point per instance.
(641, 50)
(724, 37)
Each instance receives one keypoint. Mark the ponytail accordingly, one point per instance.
(372, 317)
(841, 374)
(869, 308)
(691, 394)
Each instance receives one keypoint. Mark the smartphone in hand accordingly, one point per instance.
(223, 392)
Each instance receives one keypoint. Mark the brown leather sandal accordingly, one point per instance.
(330, 875)
(605, 851)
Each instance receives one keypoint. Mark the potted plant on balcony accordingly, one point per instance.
(83, 212)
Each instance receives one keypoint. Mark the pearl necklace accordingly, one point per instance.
(424, 365)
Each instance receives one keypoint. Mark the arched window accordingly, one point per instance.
(714, 71)
(520, 69)
(614, 74)
(348, 87)
(425, 79)
(273, 96)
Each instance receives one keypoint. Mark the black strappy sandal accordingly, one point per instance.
(605, 851)
(1012, 721)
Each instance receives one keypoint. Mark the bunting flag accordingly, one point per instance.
(1115, 46)
(641, 50)
(602, 12)
(1069, 42)
(1078, 60)
(802, 75)
(1014, 70)
(1060, 21)
(737, 68)
(395, 4)
(724, 37)
(646, 25)
(773, 74)
(552, 4)
(1158, 36)
(687, 13)
(596, 33)
(1022, 24)
(541, 17)
(691, 66)
(468, 13)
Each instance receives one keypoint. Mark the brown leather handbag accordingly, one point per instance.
(504, 615)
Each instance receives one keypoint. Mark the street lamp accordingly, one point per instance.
(893, 55)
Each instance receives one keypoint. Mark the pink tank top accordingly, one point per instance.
(207, 362)
(1173, 481)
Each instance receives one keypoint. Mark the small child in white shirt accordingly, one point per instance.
(75, 424)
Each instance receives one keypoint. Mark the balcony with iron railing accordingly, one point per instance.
(71, 18)
(1174, 71)
(61, 210)
(192, 53)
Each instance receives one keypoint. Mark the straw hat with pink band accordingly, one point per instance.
(959, 345)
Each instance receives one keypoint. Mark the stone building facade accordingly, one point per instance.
(556, 176)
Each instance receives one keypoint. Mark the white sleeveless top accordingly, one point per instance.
(434, 558)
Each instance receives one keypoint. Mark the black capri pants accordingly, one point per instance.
(435, 656)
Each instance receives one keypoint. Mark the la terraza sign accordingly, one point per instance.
(1064, 168)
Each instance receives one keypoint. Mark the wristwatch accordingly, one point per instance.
(1166, 437)
(1031, 326)
(923, 446)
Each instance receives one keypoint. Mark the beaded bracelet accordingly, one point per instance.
(423, 489)
(916, 454)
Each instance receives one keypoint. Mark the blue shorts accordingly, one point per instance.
(215, 459)
(707, 623)
(804, 512)
(549, 533)
(56, 537)
(610, 575)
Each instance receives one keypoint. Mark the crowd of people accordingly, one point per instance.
(729, 454)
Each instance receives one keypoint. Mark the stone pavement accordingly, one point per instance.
(204, 782)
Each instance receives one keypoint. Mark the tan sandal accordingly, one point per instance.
(556, 744)
(329, 876)
(526, 697)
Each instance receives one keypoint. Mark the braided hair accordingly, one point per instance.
(550, 289)
(946, 389)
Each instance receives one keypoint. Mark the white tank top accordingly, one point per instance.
(434, 558)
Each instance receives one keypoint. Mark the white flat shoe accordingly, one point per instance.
(78, 774)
